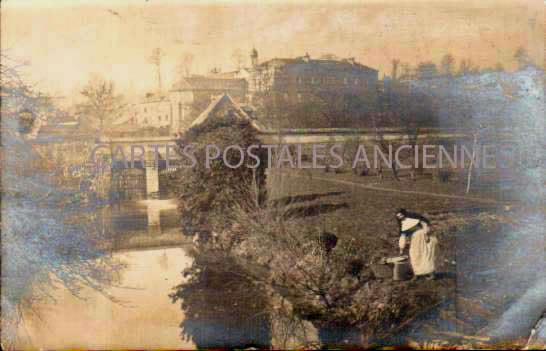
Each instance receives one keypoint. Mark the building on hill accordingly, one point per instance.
(295, 79)
(181, 105)
(153, 110)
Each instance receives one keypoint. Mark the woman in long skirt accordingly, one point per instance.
(423, 247)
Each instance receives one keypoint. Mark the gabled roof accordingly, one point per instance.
(306, 64)
(220, 101)
(230, 75)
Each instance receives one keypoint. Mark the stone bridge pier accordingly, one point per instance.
(152, 181)
(145, 161)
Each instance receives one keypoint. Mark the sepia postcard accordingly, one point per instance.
(272, 174)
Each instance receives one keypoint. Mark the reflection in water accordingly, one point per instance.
(222, 307)
(144, 224)
(144, 318)
(218, 307)
(143, 216)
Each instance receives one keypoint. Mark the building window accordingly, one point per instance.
(145, 121)
(159, 118)
(145, 109)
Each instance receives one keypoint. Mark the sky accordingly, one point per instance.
(65, 42)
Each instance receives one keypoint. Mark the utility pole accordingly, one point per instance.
(475, 137)
(155, 59)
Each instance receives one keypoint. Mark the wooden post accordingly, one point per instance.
(471, 166)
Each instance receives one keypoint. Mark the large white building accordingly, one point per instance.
(155, 110)
(177, 109)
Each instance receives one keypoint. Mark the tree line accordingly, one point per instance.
(448, 66)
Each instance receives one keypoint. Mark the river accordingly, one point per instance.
(136, 311)
(144, 317)
(141, 315)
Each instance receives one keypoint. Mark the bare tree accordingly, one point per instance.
(23, 110)
(466, 67)
(54, 236)
(522, 57)
(447, 64)
(102, 103)
(395, 64)
(155, 59)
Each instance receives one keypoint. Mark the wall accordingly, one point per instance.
(181, 104)
(153, 114)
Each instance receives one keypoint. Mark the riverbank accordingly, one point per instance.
(490, 252)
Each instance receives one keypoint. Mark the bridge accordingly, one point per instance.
(147, 178)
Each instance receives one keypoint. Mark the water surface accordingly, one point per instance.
(146, 318)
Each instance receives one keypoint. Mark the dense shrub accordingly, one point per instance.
(206, 194)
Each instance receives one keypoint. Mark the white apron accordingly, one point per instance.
(422, 254)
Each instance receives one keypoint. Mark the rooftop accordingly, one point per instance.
(208, 83)
(222, 101)
(153, 97)
(348, 64)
